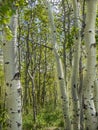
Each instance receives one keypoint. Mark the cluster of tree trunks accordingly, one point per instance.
(80, 104)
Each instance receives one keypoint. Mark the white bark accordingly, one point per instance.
(13, 86)
(75, 69)
(89, 108)
(96, 97)
(59, 67)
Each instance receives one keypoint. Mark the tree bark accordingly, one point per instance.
(12, 80)
(96, 97)
(75, 69)
(60, 70)
(90, 76)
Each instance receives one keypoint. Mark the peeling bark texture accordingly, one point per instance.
(90, 76)
(13, 86)
(59, 67)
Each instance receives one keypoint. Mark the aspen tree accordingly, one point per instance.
(12, 80)
(75, 69)
(59, 67)
(90, 76)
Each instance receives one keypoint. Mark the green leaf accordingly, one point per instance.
(8, 33)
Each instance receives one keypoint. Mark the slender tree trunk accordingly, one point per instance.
(90, 76)
(64, 44)
(13, 86)
(33, 96)
(27, 63)
(44, 78)
(75, 69)
(60, 70)
(80, 92)
(82, 2)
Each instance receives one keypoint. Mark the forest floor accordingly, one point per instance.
(53, 128)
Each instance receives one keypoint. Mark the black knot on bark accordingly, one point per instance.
(60, 78)
(93, 45)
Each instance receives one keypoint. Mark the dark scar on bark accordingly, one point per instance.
(93, 45)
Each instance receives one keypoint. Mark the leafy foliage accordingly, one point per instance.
(44, 119)
(35, 52)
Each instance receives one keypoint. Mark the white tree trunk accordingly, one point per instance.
(13, 86)
(90, 77)
(75, 69)
(60, 69)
